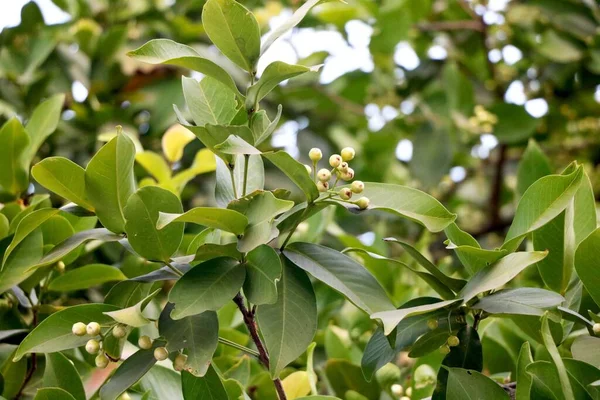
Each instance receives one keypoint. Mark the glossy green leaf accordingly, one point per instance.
(165, 51)
(128, 373)
(14, 174)
(523, 378)
(524, 301)
(16, 268)
(236, 145)
(43, 123)
(155, 165)
(466, 384)
(142, 214)
(540, 204)
(86, 277)
(61, 373)
(54, 333)
(295, 171)
(212, 217)
(63, 177)
(586, 264)
(234, 30)
(533, 166)
(208, 101)
(109, 181)
(468, 250)
(263, 271)
(289, 325)
(499, 273)
(565, 383)
(133, 315)
(342, 273)
(53, 394)
(206, 287)
(208, 387)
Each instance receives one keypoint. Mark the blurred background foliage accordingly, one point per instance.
(441, 95)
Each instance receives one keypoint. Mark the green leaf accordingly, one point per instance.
(586, 264)
(86, 277)
(54, 333)
(533, 166)
(500, 273)
(162, 383)
(565, 383)
(346, 378)
(430, 341)
(236, 145)
(540, 204)
(582, 376)
(523, 378)
(432, 154)
(63, 177)
(14, 174)
(208, 101)
(262, 128)
(207, 286)
(27, 253)
(4, 226)
(471, 385)
(289, 325)
(295, 171)
(545, 383)
(165, 51)
(198, 335)
(128, 373)
(514, 125)
(468, 250)
(212, 217)
(273, 75)
(524, 301)
(61, 373)
(43, 123)
(155, 165)
(208, 387)
(109, 181)
(212, 135)
(26, 227)
(133, 315)
(142, 213)
(342, 273)
(407, 202)
(587, 348)
(234, 30)
(53, 394)
(557, 48)
(263, 271)
(208, 251)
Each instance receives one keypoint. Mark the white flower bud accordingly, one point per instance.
(145, 342)
(348, 153)
(92, 346)
(357, 187)
(78, 329)
(324, 175)
(161, 353)
(93, 329)
(345, 193)
(323, 186)
(315, 154)
(101, 360)
(335, 160)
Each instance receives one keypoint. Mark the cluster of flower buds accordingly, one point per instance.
(398, 391)
(161, 353)
(452, 341)
(340, 171)
(94, 345)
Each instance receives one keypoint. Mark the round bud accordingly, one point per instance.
(145, 342)
(343, 166)
(335, 160)
(357, 187)
(161, 353)
(78, 329)
(445, 349)
(179, 362)
(363, 203)
(93, 329)
(119, 331)
(92, 346)
(348, 153)
(408, 392)
(348, 175)
(101, 360)
(397, 389)
(324, 175)
(308, 169)
(60, 266)
(404, 398)
(345, 193)
(323, 186)
(453, 341)
(596, 328)
(432, 323)
(124, 396)
(315, 154)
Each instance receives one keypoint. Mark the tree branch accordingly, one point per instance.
(451, 26)
(262, 351)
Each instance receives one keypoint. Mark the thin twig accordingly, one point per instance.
(246, 158)
(33, 360)
(451, 26)
(235, 345)
(174, 268)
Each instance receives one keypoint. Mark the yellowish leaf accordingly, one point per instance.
(174, 140)
(296, 385)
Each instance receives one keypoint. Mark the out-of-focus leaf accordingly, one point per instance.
(533, 166)
(14, 174)
(43, 123)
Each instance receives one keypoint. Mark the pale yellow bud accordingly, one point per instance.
(335, 160)
(348, 153)
(315, 154)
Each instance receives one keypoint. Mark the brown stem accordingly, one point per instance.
(33, 361)
(262, 351)
(495, 198)
(450, 26)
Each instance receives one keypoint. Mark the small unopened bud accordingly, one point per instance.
(357, 187)
(432, 323)
(308, 169)
(124, 396)
(348, 175)
(363, 203)
(161, 353)
(397, 389)
(324, 175)
(93, 329)
(408, 391)
(145, 342)
(445, 349)
(596, 328)
(345, 193)
(92, 346)
(101, 360)
(453, 341)
(323, 186)
(315, 154)
(348, 153)
(335, 160)
(78, 329)
(60, 266)
(179, 362)
(119, 331)
(343, 167)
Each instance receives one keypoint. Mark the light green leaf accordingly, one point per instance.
(342, 273)
(587, 348)
(523, 378)
(499, 273)
(468, 250)
(14, 174)
(142, 213)
(207, 286)
(63, 177)
(208, 101)
(407, 202)
(263, 271)
(533, 166)
(27, 253)
(4, 226)
(262, 128)
(514, 125)
(128, 373)
(289, 325)
(61, 373)
(212, 217)
(273, 75)
(165, 51)
(55, 332)
(109, 181)
(236, 145)
(162, 383)
(53, 394)
(208, 387)
(133, 315)
(86, 277)
(540, 204)
(234, 30)
(43, 123)
(558, 48)
(472, 385)
(212, 135)
(295, 171)
(586, 264)
(155, 165)
(524, 301)
(26, 227)
(565, 384)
